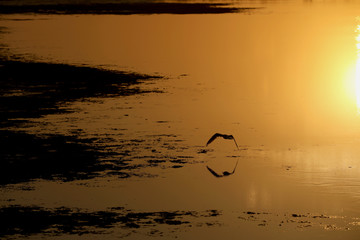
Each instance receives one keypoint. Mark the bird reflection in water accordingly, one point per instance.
(225, 173)
(224, 136)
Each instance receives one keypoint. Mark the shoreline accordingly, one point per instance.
(30, 89)
(126, 8)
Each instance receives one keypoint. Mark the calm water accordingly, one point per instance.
(283, 79)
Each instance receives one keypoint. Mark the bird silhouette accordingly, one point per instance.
(224, 136)
(224, 174)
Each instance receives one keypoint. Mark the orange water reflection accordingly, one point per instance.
(357, 75)
(276, 80)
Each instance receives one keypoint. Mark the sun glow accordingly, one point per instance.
(357, 70)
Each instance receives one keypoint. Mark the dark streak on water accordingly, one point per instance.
(3, 30)
(18, 220)
(31, 90)
(29, 220)
(25, 157)
(123, 8)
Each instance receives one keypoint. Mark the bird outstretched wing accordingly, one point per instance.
(216, 135)
(213, 172)
(213, 138)
(235, 167)
(236, 143)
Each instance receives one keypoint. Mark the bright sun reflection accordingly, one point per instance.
(357, 74)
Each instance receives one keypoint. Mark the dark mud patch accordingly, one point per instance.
(29, 90)
(298, 220)
(25, 157)
(33, 89)
(30, 220)
(2, 31)
(121, 8)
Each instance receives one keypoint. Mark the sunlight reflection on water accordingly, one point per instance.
(357, 75)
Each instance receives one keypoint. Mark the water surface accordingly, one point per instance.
(282, 79)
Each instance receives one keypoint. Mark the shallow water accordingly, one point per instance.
(282, 79)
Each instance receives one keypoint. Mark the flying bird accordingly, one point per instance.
(224, 174)
(224, 136)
